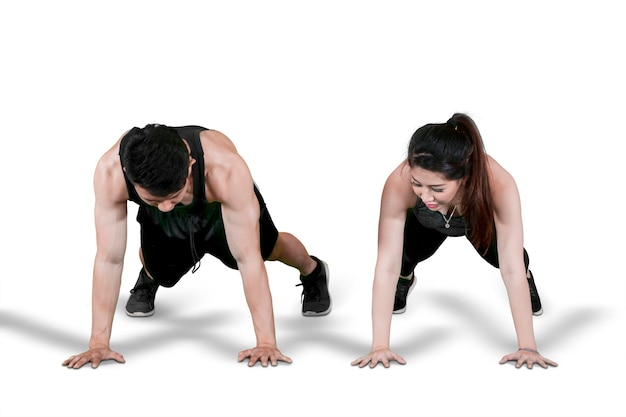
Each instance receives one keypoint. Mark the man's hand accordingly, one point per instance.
(384, 356)
(95, 356)
(263, 354)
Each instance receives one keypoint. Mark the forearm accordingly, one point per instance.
(382, 310)
(521, 310)
(259, 300)
(107, 278)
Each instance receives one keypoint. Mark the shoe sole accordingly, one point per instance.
(402, 310)
(540, 311)
(139, 313)
(309, 313)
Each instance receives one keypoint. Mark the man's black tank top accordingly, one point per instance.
(184, 220)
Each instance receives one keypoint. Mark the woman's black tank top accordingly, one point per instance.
(434, 220)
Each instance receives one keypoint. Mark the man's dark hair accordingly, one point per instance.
(156, 159)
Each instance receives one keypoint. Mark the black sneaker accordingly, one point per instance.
(403, 289)
(141, 300)
(315, 296)
(534, 296)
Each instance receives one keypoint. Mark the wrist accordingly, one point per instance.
(528, 350)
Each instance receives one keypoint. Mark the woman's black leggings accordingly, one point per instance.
(421, 243)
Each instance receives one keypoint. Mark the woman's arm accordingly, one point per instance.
(397, 197)
(510, 238)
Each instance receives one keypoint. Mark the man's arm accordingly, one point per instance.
(111, 227)
(232, 184)
(111, 232)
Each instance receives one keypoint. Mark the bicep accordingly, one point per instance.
(111, 229)
(241, 224)
(110, 214)
(390, 243)
(395, 201)
(508, 222)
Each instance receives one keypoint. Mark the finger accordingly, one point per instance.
(117, 357)
(71, 361)
(549, 362)
(546, 362)
(275, 358)
(400, 360)
(79, 362)
(95, 362)
(361, 362)
(253, 360)
(285, 358)
(264, 359)
(243, 355)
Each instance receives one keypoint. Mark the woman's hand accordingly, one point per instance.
(528, 357)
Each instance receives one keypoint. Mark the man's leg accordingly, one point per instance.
(164, 259)
(141, 300)
(290, 251)
(314, 274)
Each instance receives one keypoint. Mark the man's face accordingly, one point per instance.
(164, 204)
(168, 202)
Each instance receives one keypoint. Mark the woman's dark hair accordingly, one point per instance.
(455, 149)
(156, 158)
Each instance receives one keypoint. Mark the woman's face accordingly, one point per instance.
(437, 192)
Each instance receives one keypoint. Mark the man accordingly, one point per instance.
(196, 195)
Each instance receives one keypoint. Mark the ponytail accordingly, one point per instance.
(477, 203)
(456, 150)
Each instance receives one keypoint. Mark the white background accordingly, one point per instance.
(321, 98)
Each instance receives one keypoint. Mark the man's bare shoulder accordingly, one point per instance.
(216, 142)
(225, 169)
(220, 152)
(109, 179)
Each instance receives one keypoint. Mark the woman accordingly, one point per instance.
(449, 186)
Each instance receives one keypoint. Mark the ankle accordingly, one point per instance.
(147, 278)
(407, 277)
(314, 270)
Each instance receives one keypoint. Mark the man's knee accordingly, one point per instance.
(278, 249)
